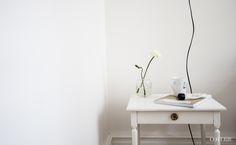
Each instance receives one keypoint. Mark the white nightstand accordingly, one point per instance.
(145, 111)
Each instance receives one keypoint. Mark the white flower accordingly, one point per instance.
(155, 53)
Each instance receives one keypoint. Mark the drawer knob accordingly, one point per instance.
(174, 116)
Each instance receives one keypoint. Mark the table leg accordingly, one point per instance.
(134, 127)
(217, 128)
(203, 134)
(216, 136)
(134, 136)
(139, 134)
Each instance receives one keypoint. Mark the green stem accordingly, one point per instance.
(141, 81)
(143, 77)
(144, 90)
(148, 66)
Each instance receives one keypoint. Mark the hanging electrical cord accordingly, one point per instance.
(190, 86)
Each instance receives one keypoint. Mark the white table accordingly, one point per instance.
(145, 111)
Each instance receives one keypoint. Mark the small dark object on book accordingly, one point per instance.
(181, 96)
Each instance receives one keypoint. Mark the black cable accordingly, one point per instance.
(190, 86)
(191, 134)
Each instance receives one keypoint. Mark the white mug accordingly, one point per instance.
(179, 85)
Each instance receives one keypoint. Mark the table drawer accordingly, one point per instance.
(175, 117)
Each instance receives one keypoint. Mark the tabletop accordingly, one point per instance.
(137, 103)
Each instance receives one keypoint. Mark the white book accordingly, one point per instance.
(191, 100)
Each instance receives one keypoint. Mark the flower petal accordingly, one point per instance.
(155, 53)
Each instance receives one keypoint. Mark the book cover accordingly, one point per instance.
(191, 101)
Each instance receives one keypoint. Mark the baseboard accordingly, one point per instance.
(108, 140)
(166, 141)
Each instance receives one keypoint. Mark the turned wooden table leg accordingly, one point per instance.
(217, 128)
(203, 134)
(134, 126)
(134, 136)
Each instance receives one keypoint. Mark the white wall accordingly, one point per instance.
(135, 27)
(51, 72)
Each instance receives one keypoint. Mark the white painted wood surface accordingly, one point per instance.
(137, 103)
(145, 111)
(203, 134)
(164, 117)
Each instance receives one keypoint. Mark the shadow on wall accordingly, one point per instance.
(227, 95)
(102, 129)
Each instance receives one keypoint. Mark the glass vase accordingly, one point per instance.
(144, 87)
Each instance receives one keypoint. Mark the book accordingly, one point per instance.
(191, 100)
